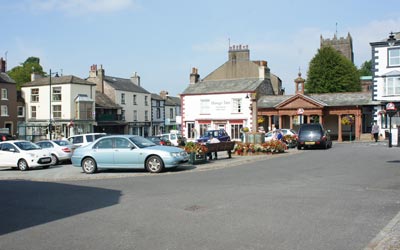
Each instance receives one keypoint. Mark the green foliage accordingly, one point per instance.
(22, 74)
(366, 69)
(331, 72)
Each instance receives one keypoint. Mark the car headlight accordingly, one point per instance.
(175, 154)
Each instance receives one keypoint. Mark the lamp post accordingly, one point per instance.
(50, 97)
(391, 111)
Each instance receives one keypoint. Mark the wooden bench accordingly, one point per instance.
(220, 146)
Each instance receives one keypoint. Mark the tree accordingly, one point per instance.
(22, 74)
(331, 72)
(366, 69)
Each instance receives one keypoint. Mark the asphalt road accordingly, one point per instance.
(339, 198)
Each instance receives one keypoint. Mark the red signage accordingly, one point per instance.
(390, 106)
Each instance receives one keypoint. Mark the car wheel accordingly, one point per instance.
(154, 164)
(89, 165)
(298, 147)
(23, 165)
(54, 160)
(46, 167)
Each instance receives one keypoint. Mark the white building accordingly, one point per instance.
(386, 79)
(227, 98)
(67, 102)
(127, 93)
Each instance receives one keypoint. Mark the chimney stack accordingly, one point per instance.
(3, 65)
(164, 94)
(135, 79)
(194, 76)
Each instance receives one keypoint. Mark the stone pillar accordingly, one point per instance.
(280, 121)
(291, 122)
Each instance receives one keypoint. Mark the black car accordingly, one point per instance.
(220, 134)
(313, 135)
(6, 137)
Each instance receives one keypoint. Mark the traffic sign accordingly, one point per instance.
(390, 106)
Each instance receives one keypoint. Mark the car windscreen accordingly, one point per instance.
(142, 142)
(27, 145)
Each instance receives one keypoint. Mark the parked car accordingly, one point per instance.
(313, 135)
(129, 152)
(175, 138)
(60, 150)
(159, 140)
(6, 137)
(84, 139)
(220, 134)
(23, 155)
(285, 131)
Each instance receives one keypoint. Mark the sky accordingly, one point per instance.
(162, 40)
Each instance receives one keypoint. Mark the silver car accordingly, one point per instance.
(60, 150)
(127, 152)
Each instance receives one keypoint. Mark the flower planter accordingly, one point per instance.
(197, 158)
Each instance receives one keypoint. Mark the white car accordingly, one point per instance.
(285, 131)
(23, 155)
(60, 150)
(84, 139)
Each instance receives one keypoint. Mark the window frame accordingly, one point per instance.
(4, 111)
(4, 94)
(35, 95)
(392, 57)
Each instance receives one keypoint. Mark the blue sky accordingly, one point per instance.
(163, 40)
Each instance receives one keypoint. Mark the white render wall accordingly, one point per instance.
(220, 110)
(140, 106)
(381, 55)
(69, 93)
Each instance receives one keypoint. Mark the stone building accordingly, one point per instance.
(343, 44)
(8, 102)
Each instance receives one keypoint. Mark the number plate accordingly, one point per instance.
(309, 142)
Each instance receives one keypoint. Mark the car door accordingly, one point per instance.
(126, 154)
(103, 153)
(9, 155)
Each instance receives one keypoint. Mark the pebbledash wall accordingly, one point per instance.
(216, 111)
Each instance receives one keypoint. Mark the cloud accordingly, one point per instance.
(81, 6)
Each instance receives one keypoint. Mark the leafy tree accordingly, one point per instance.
(22, 74)
(331, 72)
(366, 69)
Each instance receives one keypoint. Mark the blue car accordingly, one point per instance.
(220, 134)
(127, 152)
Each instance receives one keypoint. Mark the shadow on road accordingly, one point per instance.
(26, 204)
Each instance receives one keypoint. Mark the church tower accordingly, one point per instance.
(343, 45)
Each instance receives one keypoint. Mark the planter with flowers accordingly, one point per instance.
(197, 152)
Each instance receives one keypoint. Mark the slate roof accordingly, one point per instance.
(329, 99)
(104, 101)
(70, 79)
(4, 78)
(173, 101)
(223, 86)
(124, 84)
(156, 97)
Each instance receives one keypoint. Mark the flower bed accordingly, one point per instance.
(273, 146)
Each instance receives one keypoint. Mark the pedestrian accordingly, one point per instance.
(375, 131)
(213, 140)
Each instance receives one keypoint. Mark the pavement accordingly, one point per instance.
(387, 239)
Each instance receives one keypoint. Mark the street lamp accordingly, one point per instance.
(391, 111)
(50, 97)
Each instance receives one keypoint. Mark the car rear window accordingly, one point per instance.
(310, 128)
